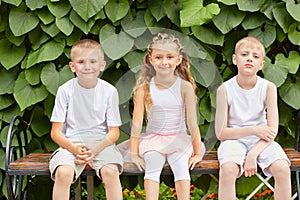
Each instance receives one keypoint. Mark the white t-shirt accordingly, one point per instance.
(87, 113)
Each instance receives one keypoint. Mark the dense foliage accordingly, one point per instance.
(36, 36)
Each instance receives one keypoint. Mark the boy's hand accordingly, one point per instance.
(266, 133)
(250, 165)
(83, 155)
(138, 161)
(193, 161)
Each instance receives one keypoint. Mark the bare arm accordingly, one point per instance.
(137, 123)
(59, 138)
(191, 119)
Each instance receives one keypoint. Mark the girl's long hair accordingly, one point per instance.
(148, 71)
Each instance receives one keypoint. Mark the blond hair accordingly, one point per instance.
(148, 71)
(87, 44)
(250, 39)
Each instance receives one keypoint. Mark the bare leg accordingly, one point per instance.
(227, 178)
(281, 173)
(110, 177)
(151, 189)
(183, 189)
(64, 176)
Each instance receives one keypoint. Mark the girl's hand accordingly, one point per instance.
(194, 160)
(138, 161)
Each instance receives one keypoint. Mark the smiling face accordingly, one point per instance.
(87, 64)
(249, 56)
(165, 58)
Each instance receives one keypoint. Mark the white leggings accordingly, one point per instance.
(155, 161)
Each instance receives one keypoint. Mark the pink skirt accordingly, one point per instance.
(162, 143)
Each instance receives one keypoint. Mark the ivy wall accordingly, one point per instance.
(36, 37)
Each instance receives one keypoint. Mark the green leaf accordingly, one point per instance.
(251, 6)
(134, 60)
(293, 8)
(267, 8)
(253, 20)
(282, 17)
(109, 44)
(266, 34)
(27, 95)
(228, 18)
(40, 123)
(290, 93)
(275, 72)
(203, 71)
(151, 23)
(50, 29)
(192, 47)
(6, 101)
(8, 113)
(80, 23)
(37, 37)
(64, 24)
(13, 39)
(52, 78)
(20, 21)
(49, 51)
(208, 35)
(134, 26)
(228, 2)
(205, 108)
(45, 16)
(7, 81)
(116, 9)
(194, 13)
(87, 9)
(34, 4)
(32, 75)
(13, 2)
(173, 8)
(59, 9)
(125, 86)
(10, 55)
(157, 9)
(291, 63)
(294, 33)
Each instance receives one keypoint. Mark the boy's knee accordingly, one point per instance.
(229, 169)
(65, 174)
(280, 168)
(109, 173)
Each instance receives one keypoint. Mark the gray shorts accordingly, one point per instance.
(236, 151)
(109, 155)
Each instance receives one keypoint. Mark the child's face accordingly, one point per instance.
(249, 58)
(165, 58)
(87, 64)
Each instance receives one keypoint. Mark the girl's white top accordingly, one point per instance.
(167, 114)
(246, 107)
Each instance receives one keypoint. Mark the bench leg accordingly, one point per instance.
(298, 186)
(78, 190)
(90, 187)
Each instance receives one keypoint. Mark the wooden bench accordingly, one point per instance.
(19, 162)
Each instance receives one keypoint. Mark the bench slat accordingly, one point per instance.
(38, 164)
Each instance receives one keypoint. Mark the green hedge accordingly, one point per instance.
(36, 37)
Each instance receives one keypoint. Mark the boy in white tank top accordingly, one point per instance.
(246, 123)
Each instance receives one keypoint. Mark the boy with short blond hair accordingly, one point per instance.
(85, 124)
(246, 123)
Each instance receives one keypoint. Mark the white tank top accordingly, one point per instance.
(246, 107)
(167, 114)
